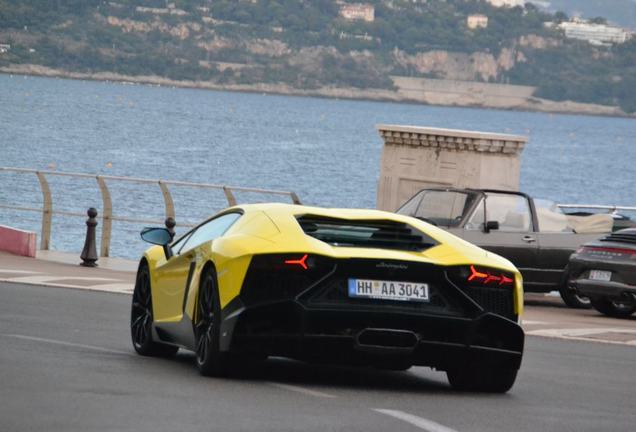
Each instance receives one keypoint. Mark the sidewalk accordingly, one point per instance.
(545, 315)
(58, 269)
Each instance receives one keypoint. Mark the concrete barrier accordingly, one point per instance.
(17, 242)
(453, 92)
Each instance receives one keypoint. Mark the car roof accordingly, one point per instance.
(283, 209)
(284, 217)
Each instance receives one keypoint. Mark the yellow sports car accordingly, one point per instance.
(360, 287)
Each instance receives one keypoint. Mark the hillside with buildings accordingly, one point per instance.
(489, 53)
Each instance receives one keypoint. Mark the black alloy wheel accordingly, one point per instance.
(614, 308)
(210, 360)
(141, 318)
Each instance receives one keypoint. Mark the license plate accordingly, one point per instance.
(388, 290)
(600, 275)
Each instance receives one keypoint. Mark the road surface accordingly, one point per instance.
(66, 364)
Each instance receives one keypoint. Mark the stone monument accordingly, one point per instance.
(415, 157)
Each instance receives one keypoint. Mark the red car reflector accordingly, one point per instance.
(301, 262)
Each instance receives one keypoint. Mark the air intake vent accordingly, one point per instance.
(622, 236)
(382, 234)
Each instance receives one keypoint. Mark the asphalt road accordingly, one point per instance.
(66, 364)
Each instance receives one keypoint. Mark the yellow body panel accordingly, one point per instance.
(272, 228)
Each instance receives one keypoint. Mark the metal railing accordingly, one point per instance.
(107, 210)
(609, 208)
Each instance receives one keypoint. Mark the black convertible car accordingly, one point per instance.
(605, 271)
(532, 233)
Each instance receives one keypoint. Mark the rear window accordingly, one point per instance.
(382, 234)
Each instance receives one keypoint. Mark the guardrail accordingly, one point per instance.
(609, 208)
(107, 210)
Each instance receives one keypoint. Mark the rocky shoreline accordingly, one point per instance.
(438, 98)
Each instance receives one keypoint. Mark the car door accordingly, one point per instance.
(515, 239)
(174, 277)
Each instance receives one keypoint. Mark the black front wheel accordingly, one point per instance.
(613, 308)
(210, 360)
(141, 318)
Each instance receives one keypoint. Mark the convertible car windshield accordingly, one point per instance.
(444, 208)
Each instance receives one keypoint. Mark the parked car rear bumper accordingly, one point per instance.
(620, 286)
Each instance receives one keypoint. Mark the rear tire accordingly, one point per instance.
(141, 318)
(210, 360)
(613, 308)
(482, 379)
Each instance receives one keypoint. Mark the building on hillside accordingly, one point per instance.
(358, 11)
(595, 34)
(507, 3)
(170, 9)
(477, 21)
(4, 48)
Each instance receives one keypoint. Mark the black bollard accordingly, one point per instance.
(170, 224)
(89, 253)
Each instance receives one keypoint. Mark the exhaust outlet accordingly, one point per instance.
(386, 340)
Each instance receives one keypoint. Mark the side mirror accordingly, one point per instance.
(491, 225)
(158, 236)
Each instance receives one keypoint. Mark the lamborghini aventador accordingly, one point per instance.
(357, 287)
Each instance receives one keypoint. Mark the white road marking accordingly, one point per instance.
(30, 279)
(302, 390)
(84, 278)
(63, 343)
(39, 279)
(6, 270)
(585, 334)
(121, 288)
(578, 332)
(530, 322)
(126, 288)
(420, 422)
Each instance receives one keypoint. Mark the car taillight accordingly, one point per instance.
(481, 276)
(491, 288)
(288, 262)
(300, 262)
(609, 252)
(489, 276)
(274, 277)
